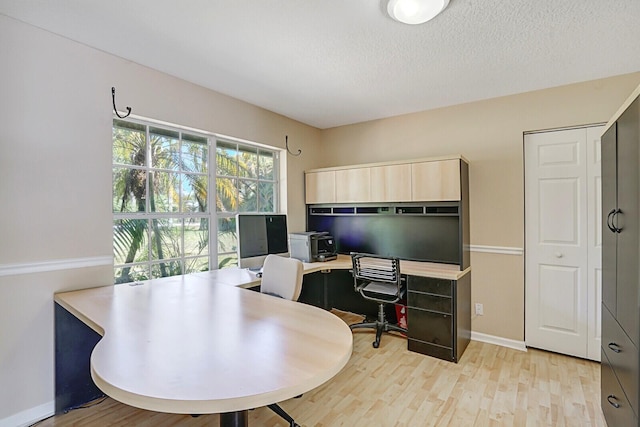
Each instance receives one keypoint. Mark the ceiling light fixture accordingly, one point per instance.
(415, 11)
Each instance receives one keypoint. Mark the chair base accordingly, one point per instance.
(380, 325)
(278, 410)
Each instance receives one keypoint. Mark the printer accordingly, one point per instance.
(312, 246)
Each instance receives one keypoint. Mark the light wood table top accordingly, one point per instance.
(245, 278)
(414, 268)
(187, 345)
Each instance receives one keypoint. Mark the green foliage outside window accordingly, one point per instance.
(160, 199)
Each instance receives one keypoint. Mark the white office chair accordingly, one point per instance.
(282, 277)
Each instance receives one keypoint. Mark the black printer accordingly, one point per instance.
(312, 246)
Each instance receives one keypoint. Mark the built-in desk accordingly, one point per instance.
(198, 344)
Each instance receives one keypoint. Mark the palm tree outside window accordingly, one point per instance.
(161, 208)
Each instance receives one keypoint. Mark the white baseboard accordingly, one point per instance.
(30, 416)
(503, 342)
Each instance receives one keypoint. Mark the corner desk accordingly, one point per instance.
(189, 345)
(199, 343)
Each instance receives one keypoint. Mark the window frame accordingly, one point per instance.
(212, 215)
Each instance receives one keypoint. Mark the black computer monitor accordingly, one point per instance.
(260, 235)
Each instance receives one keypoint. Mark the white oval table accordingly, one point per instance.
(187, 344)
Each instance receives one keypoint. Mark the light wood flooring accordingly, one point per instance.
(390, 386)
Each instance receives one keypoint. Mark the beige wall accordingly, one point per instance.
(55, 183)
(490, 135)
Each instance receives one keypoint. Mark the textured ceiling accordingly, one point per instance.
(333, 62)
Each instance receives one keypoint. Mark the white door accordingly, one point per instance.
(562, 300)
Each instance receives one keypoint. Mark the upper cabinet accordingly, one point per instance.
(320, 187)
(423, 180)
(391, 183)
(435, 181)
(353, 185)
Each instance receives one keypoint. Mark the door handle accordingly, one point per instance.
(614, 347)
(612, 401)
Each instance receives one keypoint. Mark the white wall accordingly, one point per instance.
(55, 183)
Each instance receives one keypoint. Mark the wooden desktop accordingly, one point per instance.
(187, 344)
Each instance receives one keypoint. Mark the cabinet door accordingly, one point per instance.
(436, 181)
(353, 185)
(391, 183)
(615, 406)
(609, 203)
(320, 187)
(628, 267)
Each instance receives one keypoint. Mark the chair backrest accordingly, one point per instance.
(282, 277)
(376, 268)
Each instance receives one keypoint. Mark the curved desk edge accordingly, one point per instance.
(116, 312)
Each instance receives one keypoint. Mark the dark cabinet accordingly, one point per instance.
(626, 221)
(439, 316)
(620, 149)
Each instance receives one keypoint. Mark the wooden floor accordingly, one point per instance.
(390, 386)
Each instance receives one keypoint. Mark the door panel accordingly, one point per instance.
(559, 299)
(559, 210)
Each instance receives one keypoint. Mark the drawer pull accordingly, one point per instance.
(613, 402)
(614, 347)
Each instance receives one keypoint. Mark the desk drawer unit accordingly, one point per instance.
(433, 317)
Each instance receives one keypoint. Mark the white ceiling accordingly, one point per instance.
(334, 62)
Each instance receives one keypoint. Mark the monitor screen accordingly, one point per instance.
(260, 235)
(418, 238)
(252, 235)
(277, 236)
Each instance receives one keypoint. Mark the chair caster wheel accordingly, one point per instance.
(376, 344)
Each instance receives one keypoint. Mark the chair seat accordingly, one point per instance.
(381, 288)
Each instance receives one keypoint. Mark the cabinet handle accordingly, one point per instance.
(610, 222)
(614, 217)
(614, 347)
(613, 403)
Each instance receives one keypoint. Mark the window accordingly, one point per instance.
(160, 193)
(246, 181)
(161, 199)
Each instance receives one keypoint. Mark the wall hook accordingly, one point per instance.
(113, 96)
(286, 144)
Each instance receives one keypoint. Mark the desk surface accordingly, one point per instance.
(185, 345)
(244, 278)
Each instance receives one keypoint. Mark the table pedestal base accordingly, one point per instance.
(234, 419)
